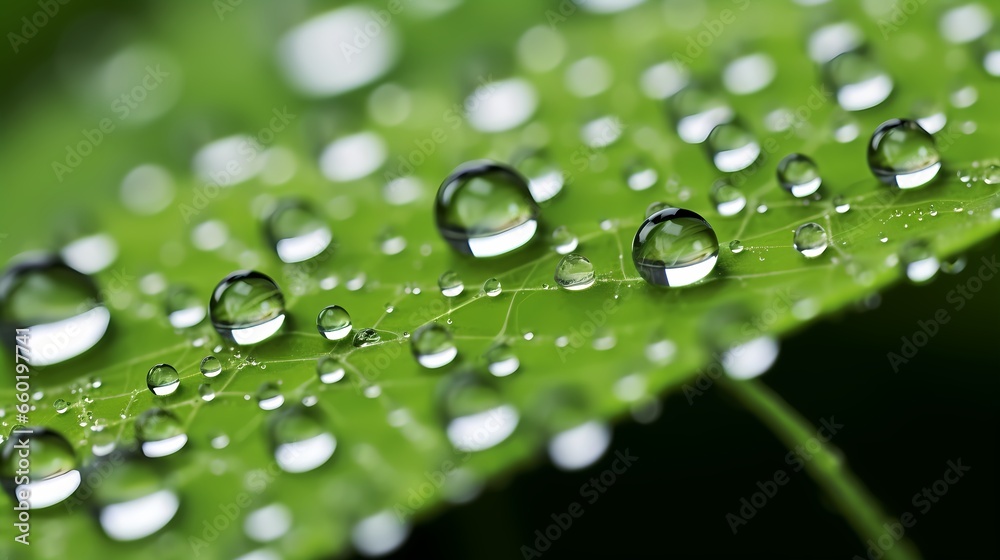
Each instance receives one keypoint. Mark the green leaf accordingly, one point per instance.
(592, 348)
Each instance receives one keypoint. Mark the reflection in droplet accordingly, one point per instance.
(160, 433)
(43, 472)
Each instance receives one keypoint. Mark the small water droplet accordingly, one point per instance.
(451, 284)
(918, 261)
(799, 175)
(697, 112)
(675, 247)
(640, 176)
(476, 415)
(492, 287)
(269, 396)
(563, 240)
(841, 205)
(43, 473)
(162, 380)
(859, 81)
(486, 209)
(811, 240)
(904, 155)
(247, 307)
(736, 246)
(211, 366)
(330, 370)
(366, 337)
(160, 432)
(501, 360)
(433, 346)
(60, 406)
(133, 500)
(732, 147)
(184, 308)
(206, 392)
(334, 322)
(296, 232)
(575, 272)
(728, 200)
(991, 175)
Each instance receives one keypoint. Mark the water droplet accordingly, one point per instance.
(575, 272)
(799, 175)
(378, 535)
(859, 82)
(930, 116)
(749, 73)
(485, 209)
(390, 242)
(296, 232)
(904, 155)
(269, 396)
(352, 157)
(300, 440)
(366, 337)
(60, 406)
(334, 322)
(918, 261)
(247, 307)
(545, 179)
(883, 237)
(732, 147)
(675, 247)
(640, 177)
(62, 308)
(330, 370)
(563, 240)
(433, 346)
(991, 175)
(162, 380)
(476, 415)
(47, 475)
(736, 246)
(990, 47)
(580, 446)
(184, 308)
(954, 265)
(697, 112)
(811, 240)
(750, 359)
(728, 200)
(501, 105)
(206, 392)
(492, 287)
(501, 360)
(451, 284)
(841, 204)
(133, 499)
(160, 432)
(211, 366)
(268, 523)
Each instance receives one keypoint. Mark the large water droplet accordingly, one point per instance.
(810, 240)
(247, 307)
(799, 175)
(575, 272)
(133, 499)
(433, 346)
(859, 82)
(485, 209)
(732, 147)
(451, 284)
(330, 370)
(160, 433)
(162, 380)
(300, 440)
(918, 261)
(728, 200)
(296, 232)
(476, 416)
(675, 247)
(334, 322)
(60, 306)
(904, 155)
(184, 308)
(43, 473)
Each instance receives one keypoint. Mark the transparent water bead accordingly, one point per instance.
(296, 232)
(563, 240)
(51, 299)
(697, 112)
(334, 322)
(160, 433)
(859, 82)
(476, 415)
(162, 380)
(184, 307)
(575, 272)
(501, 360)
(47, 475)
(811, 240)
(545, 178)
(799, 175)
(60, 406)
(269, 396)
(300, 439)
(247, 307)
(210, 366)
(728, 200)
(206, 392)
(485, 209)
(366, 337)
(841, 205)
(640, 176)
(580, 446)
(330, 370)
(733, 147)
(903, 154)
(736, 246)
(492, 287)
(133, 500)
(450, 284)
(675, 247)
(918, 261)
(433, 346)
